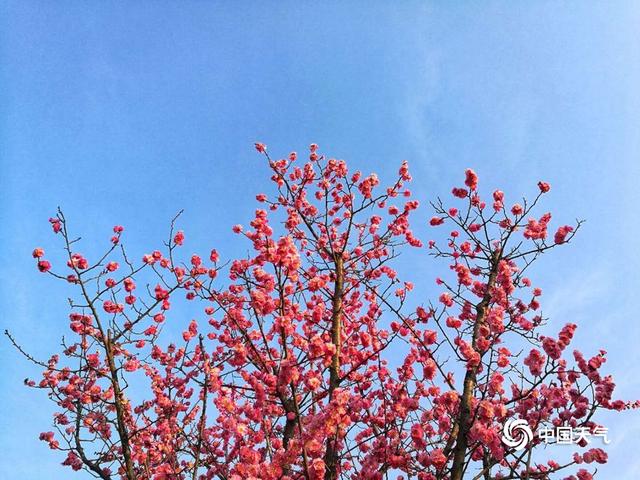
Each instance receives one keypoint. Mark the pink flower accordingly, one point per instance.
(56, 225)
(129, 284)
(584, 474)
(423, 314)
(44, 266)
(404, 171)
(260, 147)
(191, 332)
(178, 238)
(430, 337)
(498, 197)
(459, 192)
(435, 221)
(132, 365)
(561, 234)
(437, 458)
(151, 330)
(111, 307)
(537, 229)
(517, 209)
(160, 293)
(367, 185)
(37, 253)
(112, 266)
(237, 228)
(48, 437)
(471, 179)
(595, 455)
(566, 334)
(453, 322)
(78, 262)
(446, 299)
(73, 461)
(551, 347)
(535, 361)
(544, 187)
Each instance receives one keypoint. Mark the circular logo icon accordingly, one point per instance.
(516, 433)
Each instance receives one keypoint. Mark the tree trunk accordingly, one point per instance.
(331, 452)
(120, 411)
(465, 415)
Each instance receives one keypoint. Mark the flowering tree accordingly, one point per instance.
(307, 362)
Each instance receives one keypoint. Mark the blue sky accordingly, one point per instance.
(127, 112)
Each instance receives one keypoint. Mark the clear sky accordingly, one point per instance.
(126, 112)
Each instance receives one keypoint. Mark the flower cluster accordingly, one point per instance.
(309, 358)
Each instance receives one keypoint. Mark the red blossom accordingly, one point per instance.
(44, 266)
(544, 187)
(561, 234)
(471, 179)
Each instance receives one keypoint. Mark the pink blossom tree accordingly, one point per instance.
(307, 361)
